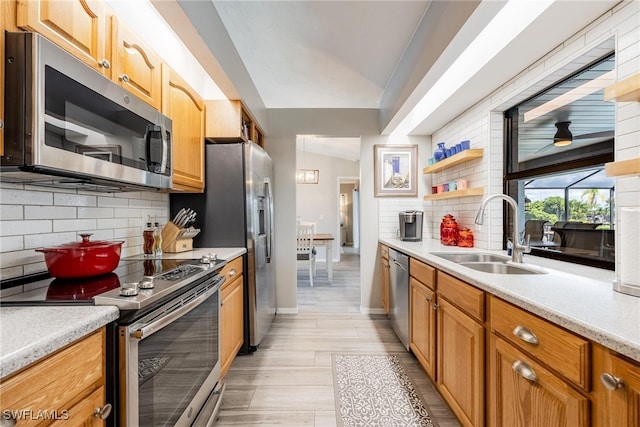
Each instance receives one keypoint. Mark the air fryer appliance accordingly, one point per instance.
(411, 226)
(236, 210)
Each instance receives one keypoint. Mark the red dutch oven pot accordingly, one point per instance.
(82, 259)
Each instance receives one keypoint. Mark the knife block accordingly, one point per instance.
(171, 242)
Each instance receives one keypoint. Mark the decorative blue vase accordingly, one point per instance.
(440, 153)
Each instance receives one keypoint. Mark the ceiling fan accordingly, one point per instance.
(563, 136)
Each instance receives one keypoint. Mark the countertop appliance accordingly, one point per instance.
(236, 210)
(71, 127)
(411, 225)
(163, 352)
(399, 295)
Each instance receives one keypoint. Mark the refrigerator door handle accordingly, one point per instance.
(269, 243)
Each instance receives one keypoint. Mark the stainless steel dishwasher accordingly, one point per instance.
(399, 295)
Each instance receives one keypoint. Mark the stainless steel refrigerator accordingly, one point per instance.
(236, 210)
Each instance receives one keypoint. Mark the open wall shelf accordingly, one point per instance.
(623, 167)
(626, 90)
(456, 159)
(477, 191)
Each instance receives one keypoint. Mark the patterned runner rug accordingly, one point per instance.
(374, 390)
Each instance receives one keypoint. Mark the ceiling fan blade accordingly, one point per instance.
(546, 148)
(603, 134)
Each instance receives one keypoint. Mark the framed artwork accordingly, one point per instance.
(395, 170)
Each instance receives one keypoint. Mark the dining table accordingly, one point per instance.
(326, 240)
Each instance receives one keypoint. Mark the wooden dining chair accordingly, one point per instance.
(305, 250)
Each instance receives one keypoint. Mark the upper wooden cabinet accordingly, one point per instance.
(229, 120)
(135, 66)
(78, 26)
(187, 113)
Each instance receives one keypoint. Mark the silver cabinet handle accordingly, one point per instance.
(525, 335)
(104, 64)
(524, 371)
(232, 272)
(103, 412)
(435, 306)
(611, 382)
(428, 300)
(124, 78)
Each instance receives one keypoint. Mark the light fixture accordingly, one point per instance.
(527, 204)
(563, 136)
(307, 176)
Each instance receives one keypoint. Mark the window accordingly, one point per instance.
(556, 145)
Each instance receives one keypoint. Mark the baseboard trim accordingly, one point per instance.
(287, 310)
(369, 310)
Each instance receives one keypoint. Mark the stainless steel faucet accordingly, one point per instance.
(519, 247)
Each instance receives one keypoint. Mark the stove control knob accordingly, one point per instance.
(146, 282)
(129, 290)
(213, 257)
(205, 259)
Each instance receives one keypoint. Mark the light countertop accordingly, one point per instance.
(578, 298)
(29, 333)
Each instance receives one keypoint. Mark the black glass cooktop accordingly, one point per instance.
(49, 290)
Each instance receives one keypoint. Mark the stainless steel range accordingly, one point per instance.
(164, 350)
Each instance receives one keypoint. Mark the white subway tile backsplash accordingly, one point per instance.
(18, 228)
(49, 212)
(95, 212)
(49, 239)
(11, 243)
(8, 212)
(22, 197)
(60, 225)
(72, 199)
(112, 202)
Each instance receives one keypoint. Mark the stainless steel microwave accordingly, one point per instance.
(66, 125)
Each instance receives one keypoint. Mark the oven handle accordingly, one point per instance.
(160, 323)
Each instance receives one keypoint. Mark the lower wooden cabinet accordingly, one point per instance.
(461, 363)
(231, 314)
(67, 386)
(384, 263)
(526, 394)
(423, 326)
(616, 390)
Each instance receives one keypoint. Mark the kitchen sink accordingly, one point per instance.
(500, 268)
(487, 263)
(471, 257)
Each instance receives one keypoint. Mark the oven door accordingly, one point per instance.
(170, 361)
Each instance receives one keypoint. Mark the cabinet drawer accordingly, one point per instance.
(423, 273)
(384, 251)
(59, 381)
(232, 270)
(462, 295)
(561, 350)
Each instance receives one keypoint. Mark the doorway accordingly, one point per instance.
(348, 215)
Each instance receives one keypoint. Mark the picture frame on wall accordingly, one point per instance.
(395, 170)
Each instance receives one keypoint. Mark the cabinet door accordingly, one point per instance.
(423, 326)
(84, 413)
(460, 366)
(231, 322)
(385, 284)
(78, 26)
(186, 110)
(524, 393)
(136, 67)
(616, 391)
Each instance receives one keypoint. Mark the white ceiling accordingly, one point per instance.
(376, 54)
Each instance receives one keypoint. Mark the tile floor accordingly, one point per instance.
(288, 381)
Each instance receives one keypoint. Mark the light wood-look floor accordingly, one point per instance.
(288, 381)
